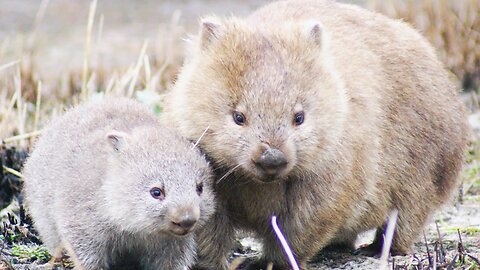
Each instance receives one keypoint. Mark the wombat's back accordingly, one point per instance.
(400, 95)
(70, 158)
(384, 127)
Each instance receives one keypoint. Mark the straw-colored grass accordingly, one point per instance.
(452, 26)
(28, 100)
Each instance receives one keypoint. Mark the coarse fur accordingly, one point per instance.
(88, 183)
(384, 127)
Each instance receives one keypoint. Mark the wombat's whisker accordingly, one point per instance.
(201, 136)
(229, 172)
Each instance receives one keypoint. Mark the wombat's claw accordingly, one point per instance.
(339, 248)
(370, 250)
(199, 268)
(255, 264)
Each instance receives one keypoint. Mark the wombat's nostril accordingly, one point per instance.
(271, 161)
(186, 222)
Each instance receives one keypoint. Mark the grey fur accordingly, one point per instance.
(90, 193)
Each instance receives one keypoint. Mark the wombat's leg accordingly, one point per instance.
(409, 226)
(214, 240)
(375, 248)
(305, 241)
(86, 257)
(263, 264)
(48, 233)
(344, 241)
(274, 253)
(167, 254)
(160, 262)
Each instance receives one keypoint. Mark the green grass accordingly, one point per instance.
(30, 253)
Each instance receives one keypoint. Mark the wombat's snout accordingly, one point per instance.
(182, 221)
(271, 162)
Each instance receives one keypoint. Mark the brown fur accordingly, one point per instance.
(384, 128)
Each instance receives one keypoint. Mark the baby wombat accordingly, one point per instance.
(324, 114)
(114, 188)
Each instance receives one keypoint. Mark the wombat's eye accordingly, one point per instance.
(199, 188)
(157, 193)
(299, 118)
(239, 118)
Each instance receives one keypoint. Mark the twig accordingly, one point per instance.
(37, 105)
(387, 243)
(18, 101)
(39, 17)
(460, 244)
(450, 265)
(10, 64)
(12, 171)
(463, 252)
(428, 250)
(236, 263)
(442, 250)
(88, 38)
(284, 243)
(473, 258)
(21, 137)
(136, 69)
(148, 72)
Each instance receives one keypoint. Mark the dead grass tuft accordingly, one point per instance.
(452, 26)
(29, 97)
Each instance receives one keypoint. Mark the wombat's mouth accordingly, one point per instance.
(263, 176)
(179, 231)
(269, 179)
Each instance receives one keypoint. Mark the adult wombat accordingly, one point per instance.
(324, 114)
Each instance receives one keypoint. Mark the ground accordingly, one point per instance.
(50, 59)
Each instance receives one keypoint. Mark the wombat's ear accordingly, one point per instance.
(211, 30)
(315, 32)
(116, 139)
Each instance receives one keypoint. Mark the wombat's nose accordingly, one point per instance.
(183, 219)
(186, 222)
(272, 161)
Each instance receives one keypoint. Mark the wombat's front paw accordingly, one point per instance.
(198, 267)
(258, 264)
(375, 250)
(370, 250)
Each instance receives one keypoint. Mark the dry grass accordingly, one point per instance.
(452, 26)
(28, 100)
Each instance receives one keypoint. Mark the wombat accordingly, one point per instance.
(324, 114)
(114, 188)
